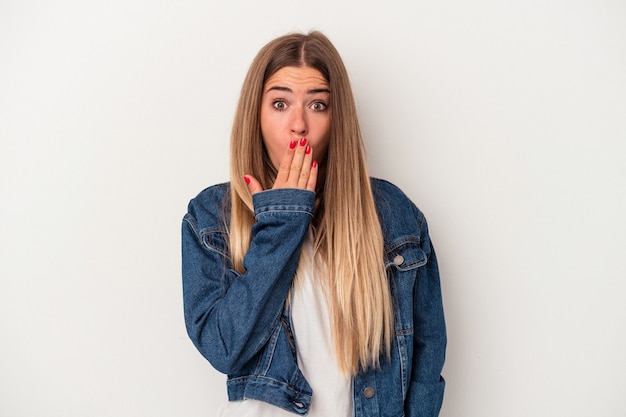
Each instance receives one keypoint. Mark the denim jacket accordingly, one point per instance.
(239, 324)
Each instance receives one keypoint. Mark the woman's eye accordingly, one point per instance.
(319, 106)
(279, 105)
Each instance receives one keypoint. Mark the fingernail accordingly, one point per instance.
(246, 179)
(307, 150)
(302, 141)
(292, 144)
(314, 164)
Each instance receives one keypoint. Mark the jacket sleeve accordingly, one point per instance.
(230, 316)
(425, 395)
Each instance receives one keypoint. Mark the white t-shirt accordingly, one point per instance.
(332, 391)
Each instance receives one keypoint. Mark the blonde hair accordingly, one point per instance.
(349, 239)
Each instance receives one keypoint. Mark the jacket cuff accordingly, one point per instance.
(283, 200)
(426, 398)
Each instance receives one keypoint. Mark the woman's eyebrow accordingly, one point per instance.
(279, 88)
(289, 90)
(319, 90)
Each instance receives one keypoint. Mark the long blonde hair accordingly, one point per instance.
(349, 239)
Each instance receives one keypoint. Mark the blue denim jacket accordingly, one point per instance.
(239, 324)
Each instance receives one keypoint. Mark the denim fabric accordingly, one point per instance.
(239, 324)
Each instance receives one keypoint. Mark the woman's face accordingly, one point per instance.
(295, 105)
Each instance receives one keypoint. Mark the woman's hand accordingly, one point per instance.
(297, 169)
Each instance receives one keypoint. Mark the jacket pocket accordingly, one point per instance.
(405, 254)
(215, 240)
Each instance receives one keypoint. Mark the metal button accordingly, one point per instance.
(369, 392)
(398, 260)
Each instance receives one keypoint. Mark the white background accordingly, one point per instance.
(503, 120)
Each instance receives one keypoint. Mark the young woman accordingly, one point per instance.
(313, 286)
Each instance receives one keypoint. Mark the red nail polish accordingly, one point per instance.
(302, 141)
(307, 150)
(314, 164)
(246, 179)
(292, 144)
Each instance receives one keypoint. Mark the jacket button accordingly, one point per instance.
(369, 392)
(398, 260)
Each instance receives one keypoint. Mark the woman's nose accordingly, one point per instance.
(298, 122)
